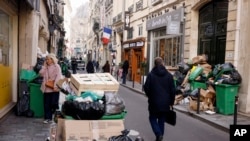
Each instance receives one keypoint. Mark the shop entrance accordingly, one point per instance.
(169, 49)
(212, 31)
(137, 64)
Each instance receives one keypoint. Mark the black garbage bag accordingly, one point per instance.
(84, 110)
(179, 89)
(179, 77)
(194, 93)
(123, 137)
(38, 80)
(22, 105)
(233, 79)
(184, 67)
(39, 64)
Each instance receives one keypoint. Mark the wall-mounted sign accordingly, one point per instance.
(132, 44)
(139, 44)
(126, 46)
(162, 20)
(173, 27)
(127, 20)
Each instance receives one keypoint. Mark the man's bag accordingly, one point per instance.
(171, 117)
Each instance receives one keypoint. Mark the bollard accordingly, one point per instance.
(198, 102)
(235, 109)
(142, 88)
(117, 73)
(133, 84)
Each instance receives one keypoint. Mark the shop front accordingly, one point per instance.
(133, 51)
(8, 57)
(165, 38)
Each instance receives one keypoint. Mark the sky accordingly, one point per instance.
(76, 3)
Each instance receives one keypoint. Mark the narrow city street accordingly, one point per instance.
(13, 128)
(186, 129)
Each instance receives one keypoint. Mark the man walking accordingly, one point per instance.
(125, 67)
(160, 90)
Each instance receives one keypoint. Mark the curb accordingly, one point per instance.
(192, 114)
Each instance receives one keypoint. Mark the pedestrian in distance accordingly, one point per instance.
(50, 71)
(160, 91)
(74, 65)
(125, 67)
(90, 67)
(97, 66)
(64, 66)
(106, 67)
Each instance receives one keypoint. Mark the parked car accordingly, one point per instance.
(80, 65)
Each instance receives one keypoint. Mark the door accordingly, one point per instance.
(138, 69)
(212, 31)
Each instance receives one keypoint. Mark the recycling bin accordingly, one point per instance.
(225, 98)
(197, 84)
(36, 100)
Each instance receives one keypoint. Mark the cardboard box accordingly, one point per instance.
(88, 130)
(97, 81)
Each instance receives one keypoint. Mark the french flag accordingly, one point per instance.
(106, 35)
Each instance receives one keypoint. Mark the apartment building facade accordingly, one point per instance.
(25, 26)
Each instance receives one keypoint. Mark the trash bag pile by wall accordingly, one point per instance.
(199, 72)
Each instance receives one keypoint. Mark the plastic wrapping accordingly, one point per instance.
(114, 104)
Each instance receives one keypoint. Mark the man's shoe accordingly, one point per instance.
(159, 138)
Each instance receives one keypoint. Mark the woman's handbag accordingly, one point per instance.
(171, 117)
(50, 84)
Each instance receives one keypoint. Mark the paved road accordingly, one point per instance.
(14, 128)
(187, 128)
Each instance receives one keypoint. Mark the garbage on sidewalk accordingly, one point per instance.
(199, 80)
(92, 110)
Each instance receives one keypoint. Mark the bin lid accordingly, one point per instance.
(227, 85)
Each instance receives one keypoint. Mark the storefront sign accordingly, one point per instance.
(139, 44)
(126, 46)
(173, 27)
(132, 44)
(162, 21)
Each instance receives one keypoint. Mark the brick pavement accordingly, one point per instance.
(19, 128)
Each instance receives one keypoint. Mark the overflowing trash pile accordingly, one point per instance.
(198, 78)
(93, 109)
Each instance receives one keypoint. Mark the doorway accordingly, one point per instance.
(213, 30)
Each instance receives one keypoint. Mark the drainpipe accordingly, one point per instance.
(237, 34)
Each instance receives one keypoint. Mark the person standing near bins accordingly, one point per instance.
(106, 67)
(160, 90)
(90, 67)
(125, 67)
(74, 65)
(50, 71)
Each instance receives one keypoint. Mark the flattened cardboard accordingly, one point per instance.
(87, 130)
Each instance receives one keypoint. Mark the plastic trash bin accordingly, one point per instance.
(196, 84)
(225, 97)
(36, 100)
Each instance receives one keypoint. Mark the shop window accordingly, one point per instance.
(169, 49)
(5, 28)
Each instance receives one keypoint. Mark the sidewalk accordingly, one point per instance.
(219, 121)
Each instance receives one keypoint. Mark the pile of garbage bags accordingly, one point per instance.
(92, 105)
(198, 71)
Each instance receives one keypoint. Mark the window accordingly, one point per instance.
(140, 27)
(130, 33)
(169, 49)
